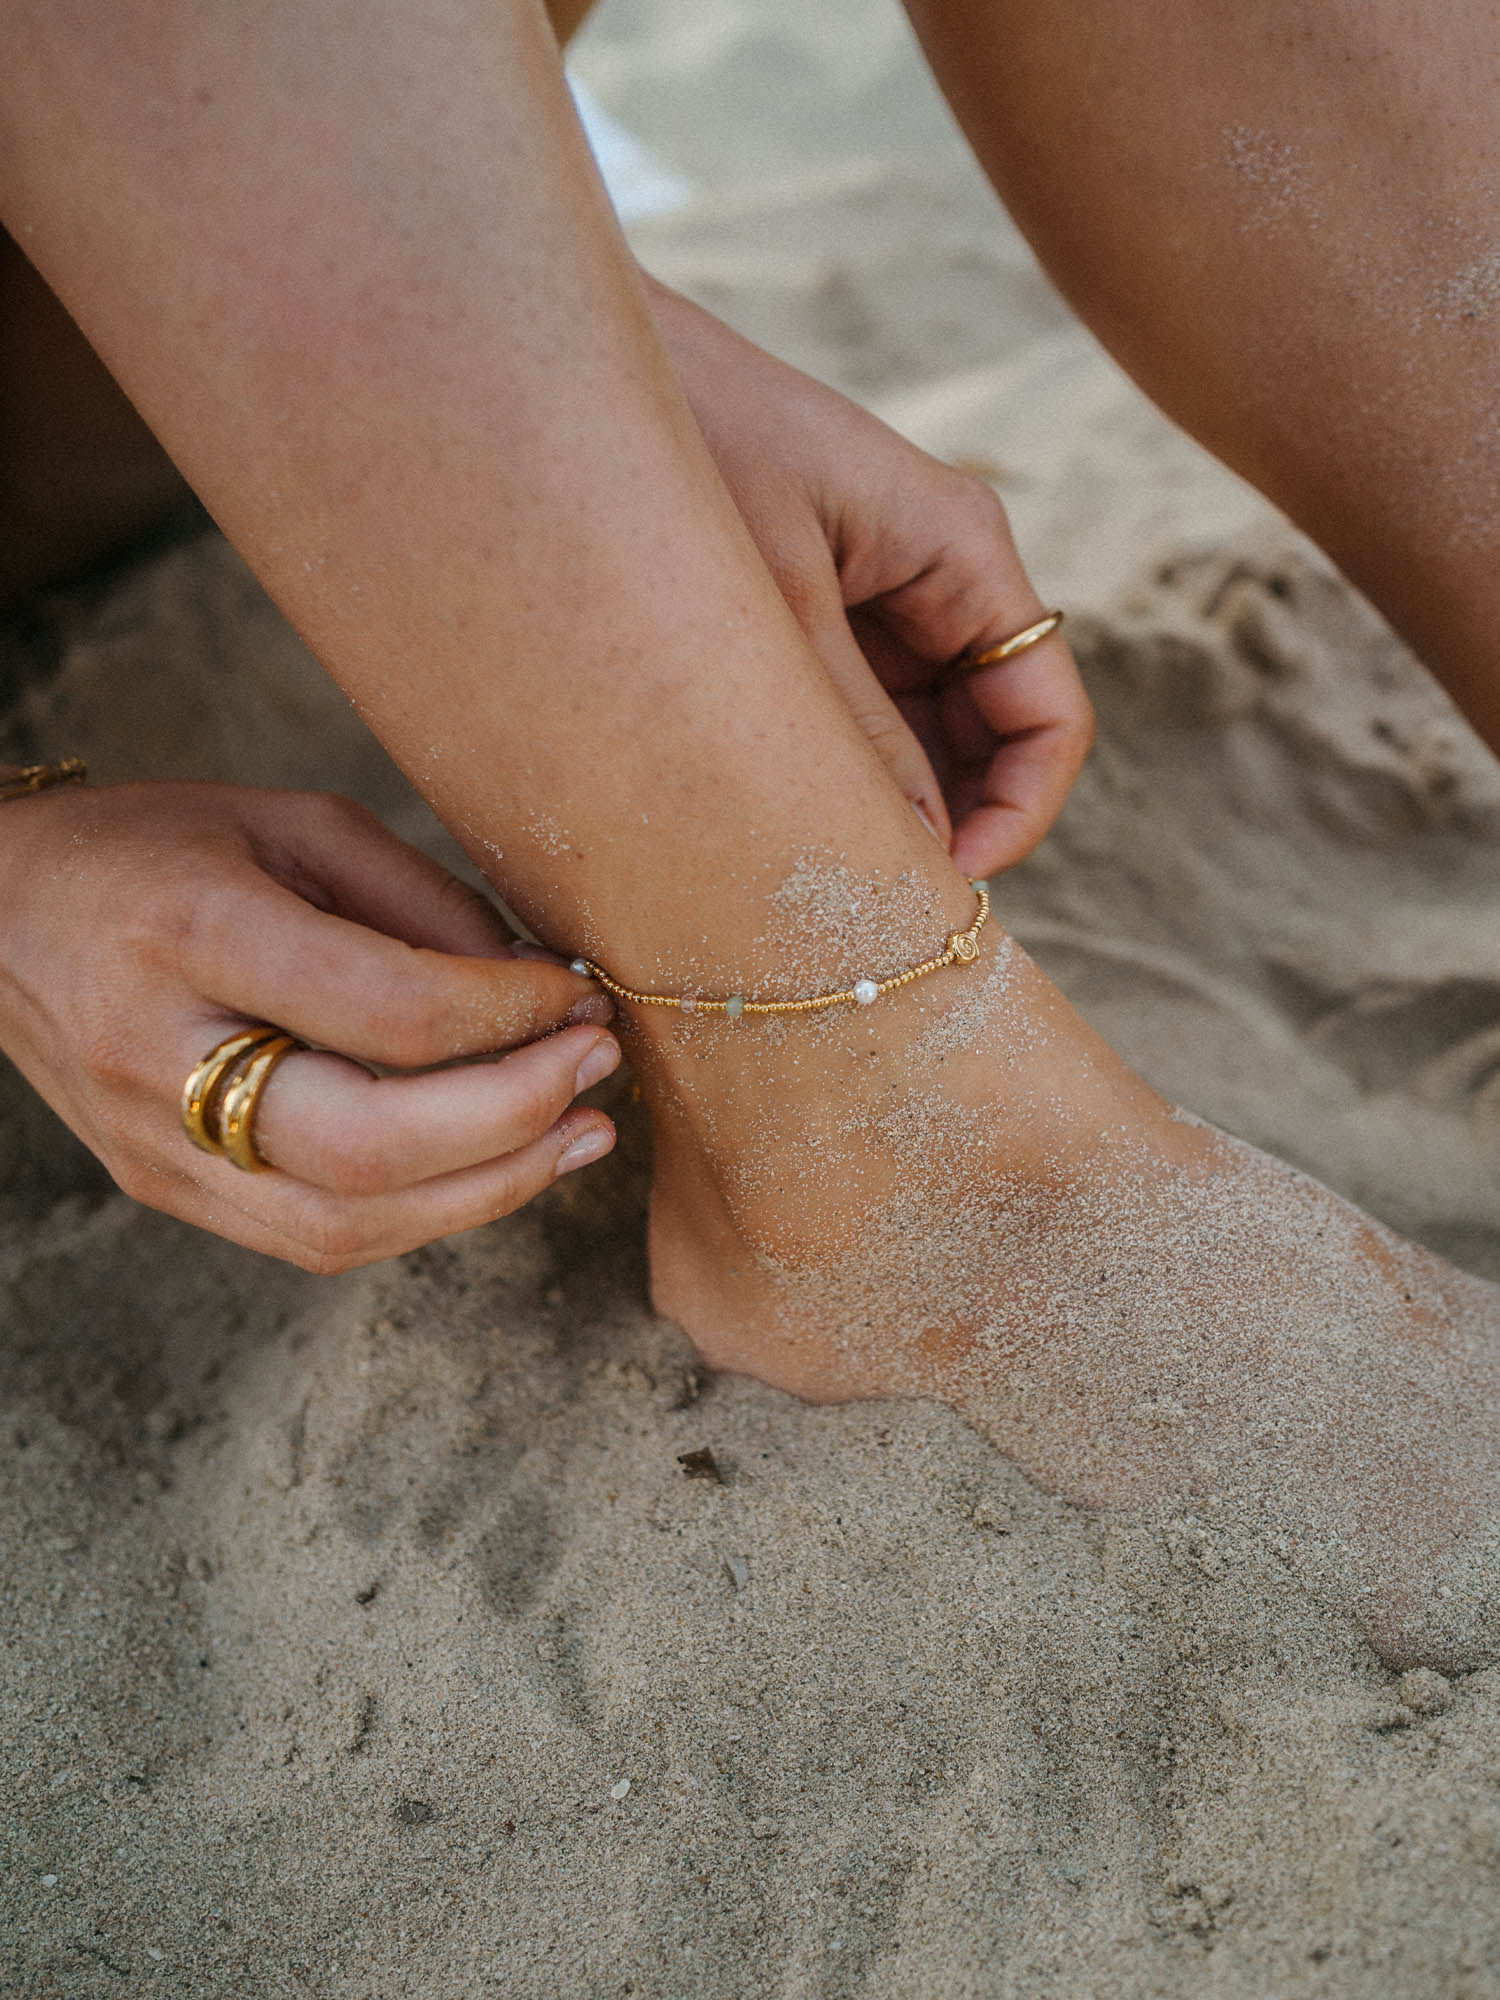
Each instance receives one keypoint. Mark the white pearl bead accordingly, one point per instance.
(581, 966)
(866, 992)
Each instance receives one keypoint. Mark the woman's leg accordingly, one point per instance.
(1281, 220)
(81, 475)
(367, 289)
(369, 292)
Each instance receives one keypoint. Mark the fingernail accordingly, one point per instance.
(596, 1009)
(592, 1146)
(602, 1060)
(926, 818)
(523, 948)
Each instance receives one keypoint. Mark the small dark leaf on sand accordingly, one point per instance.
(701, 1464)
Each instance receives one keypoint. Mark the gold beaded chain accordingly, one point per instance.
(962, 949)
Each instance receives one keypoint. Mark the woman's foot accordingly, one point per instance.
(962, 1193)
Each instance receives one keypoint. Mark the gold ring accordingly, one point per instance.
(205, 1082)
(241, 1095)
(1008, 648)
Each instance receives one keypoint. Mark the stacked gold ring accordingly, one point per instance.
(222, 1091)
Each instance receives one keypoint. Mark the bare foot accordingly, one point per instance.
(963, 1194)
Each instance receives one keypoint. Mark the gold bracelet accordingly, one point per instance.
(41, 777)
(962, 949)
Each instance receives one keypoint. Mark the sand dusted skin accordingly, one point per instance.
(371, 1637)
(1132, 1306)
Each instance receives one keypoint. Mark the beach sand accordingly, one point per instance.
(367, 1636)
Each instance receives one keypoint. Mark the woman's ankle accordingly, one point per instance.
(819, 1183)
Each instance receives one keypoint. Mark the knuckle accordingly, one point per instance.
(462, 899)
(317, 1262)
(538, 1097)
(983, 511)
(366, 1163)
(981, 553)
(412, 1026)
(160, 919)
(336, 810)
(199, 933)
(987, 510)
(107, 1057)
(134, 1178)
(516, 1189)
(322, 1263)
(975, 522)
(329, 1244)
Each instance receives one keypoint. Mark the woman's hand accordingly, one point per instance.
(895, 565)
(143, 924)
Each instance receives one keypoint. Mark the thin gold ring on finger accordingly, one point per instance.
(206, 1081)
(1007, 649)
(241, 1096)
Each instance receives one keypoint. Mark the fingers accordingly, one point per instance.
(1008, 740)
(265, 953)
(388, 1163)
(327, 1232)
(340, 857)
(1006, 794)
(873, 709)
(969, 590)
(330, 1123)
(1028, 782)
(195, 932)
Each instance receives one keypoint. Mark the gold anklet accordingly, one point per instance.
(962, 949)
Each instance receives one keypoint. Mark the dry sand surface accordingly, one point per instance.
(368, 1637)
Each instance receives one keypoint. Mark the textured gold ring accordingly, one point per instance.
(205, 1086)
(1007, 649)
(241, 1095)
